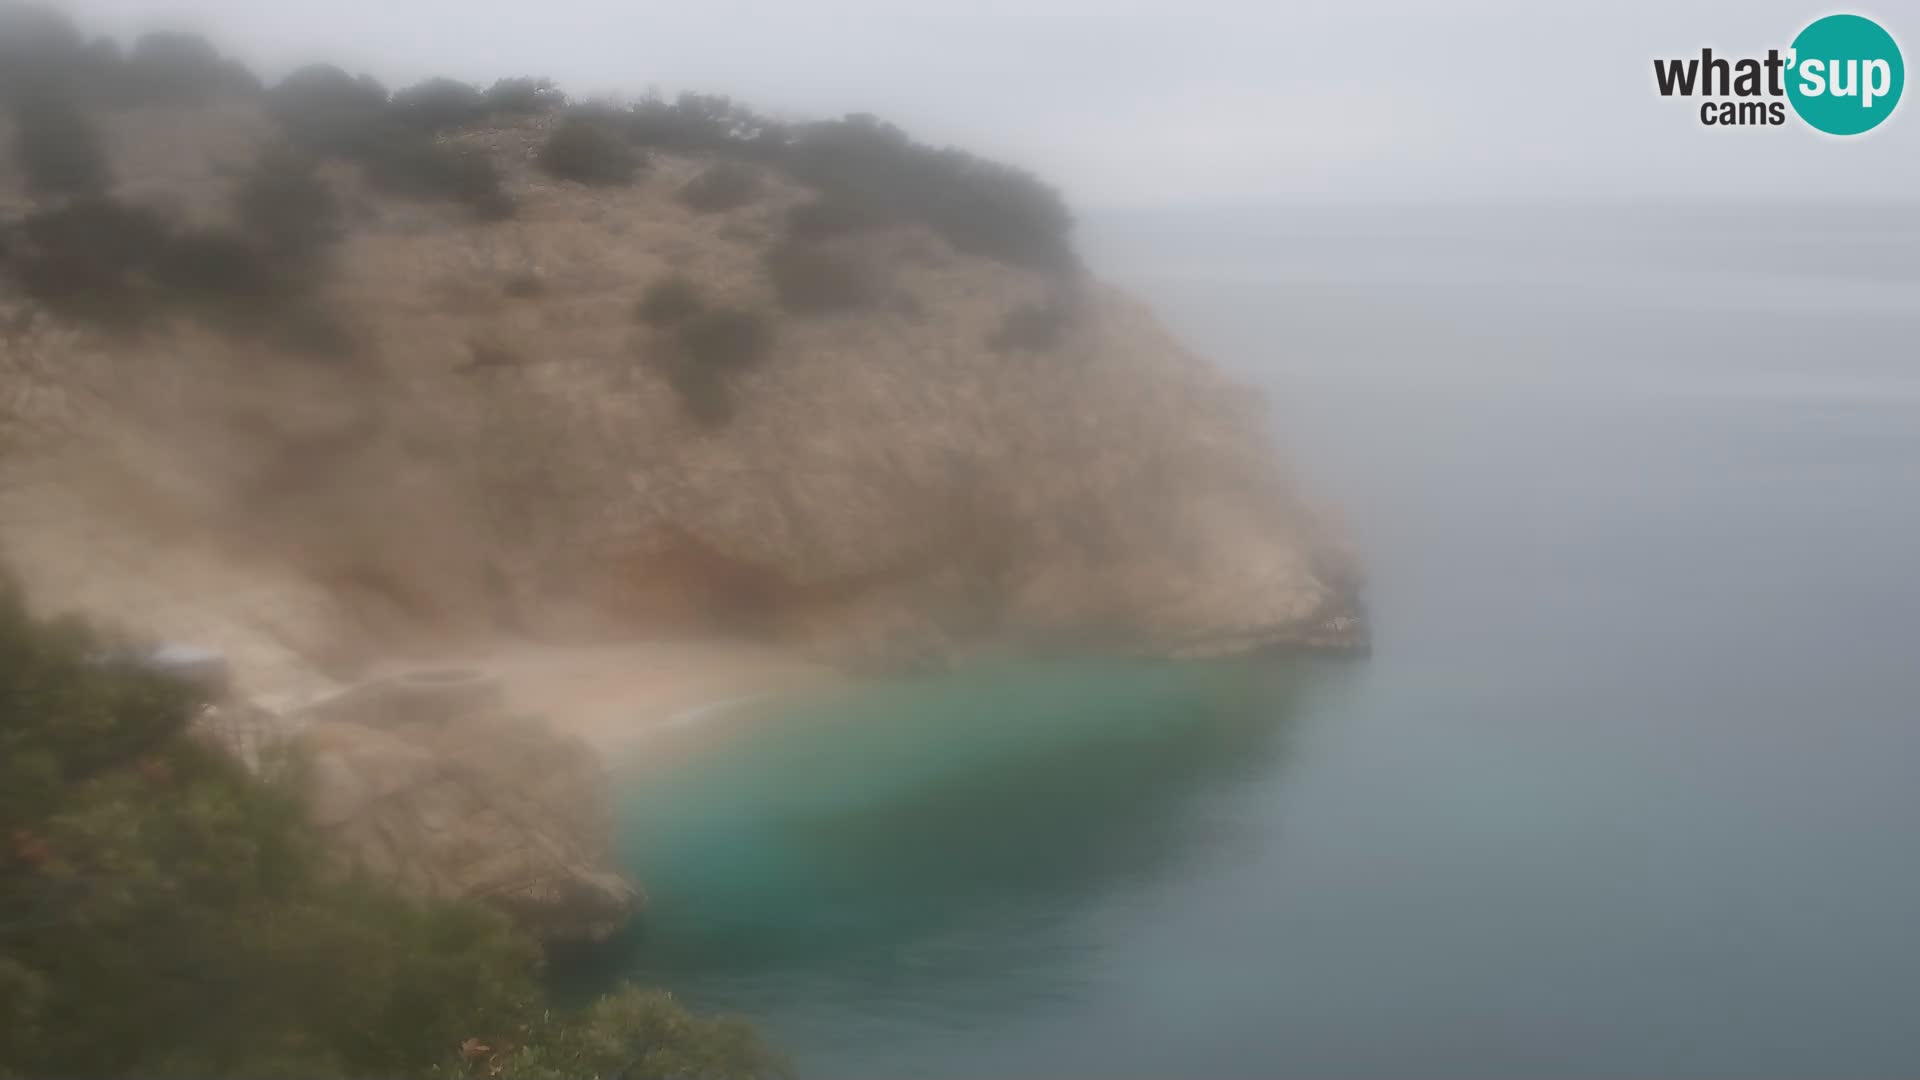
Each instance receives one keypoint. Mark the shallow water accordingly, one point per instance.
(1629, 786)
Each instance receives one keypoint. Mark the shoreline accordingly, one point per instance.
(621, 698)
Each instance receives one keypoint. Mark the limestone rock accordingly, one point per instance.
(459, 801)
(893, 488)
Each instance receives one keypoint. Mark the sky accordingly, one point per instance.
(1157, 105)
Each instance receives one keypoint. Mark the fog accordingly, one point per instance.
(757, 566)
(1157, 105)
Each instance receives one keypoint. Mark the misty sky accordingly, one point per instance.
(1253, 103)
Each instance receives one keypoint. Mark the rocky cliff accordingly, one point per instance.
(508, 456)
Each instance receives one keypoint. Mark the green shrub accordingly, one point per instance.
(437, 105)
(327, 111)
(58, 148)
(825, 218)
(167, 914)
(714, 345)
(979, 206)
(811, 279)
(306, 329)
(589, 153)
(93, 259)
(1039, 327)
(704, 393)
(483, 354)
(524, 97)
(223, 271)
(525, 285)
(42, 53)
(670, 300)
(170, 913)
(728, 185)
(639, 1035)
(179, 68)
(417, 167)
(117, 266)
(725, 339)
(695, 122)
(286, 206)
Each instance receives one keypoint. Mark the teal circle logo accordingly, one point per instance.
(1845, 75)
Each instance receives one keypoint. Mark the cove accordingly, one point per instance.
(922, 852)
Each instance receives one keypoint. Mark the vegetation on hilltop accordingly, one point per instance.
(165, 913)
(86, 256)
(980, 206)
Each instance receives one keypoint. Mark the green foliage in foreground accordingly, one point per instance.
(630, 1033)
(165, 913)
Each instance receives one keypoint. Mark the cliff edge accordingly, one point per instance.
(972, 452)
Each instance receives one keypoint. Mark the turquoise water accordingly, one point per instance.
(961, 816)
(1629, 787)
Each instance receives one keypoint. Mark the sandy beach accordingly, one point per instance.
(617, 696)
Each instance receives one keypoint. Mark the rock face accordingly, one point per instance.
(424, 782)
(897, 482)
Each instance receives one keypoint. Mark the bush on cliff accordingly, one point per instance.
(283, 202)
(327, 111)
(117, 266)
(58, 148)
(726, 186)
(700, 122)
(175, 68)
(714, 346)
(438, 105)
(704, 393)
(825, 218)
(42, 53)
(1037, 327)
(812, 279)
(417, 167)
(590, 153)
(980, 206)
(37, 47)
(92, 260)
(165, 913)
(726, 339)
(226, 274)
(524, 96)
(670, 300)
